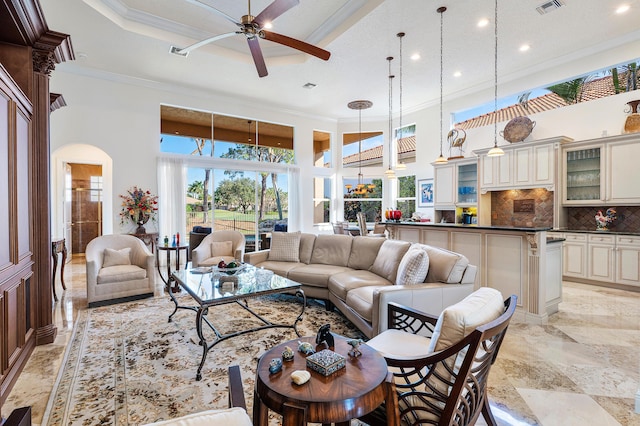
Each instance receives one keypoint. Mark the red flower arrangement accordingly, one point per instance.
(138, 206)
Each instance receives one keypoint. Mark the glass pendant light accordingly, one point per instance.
(496, 151)
(360, 188)
(399, 165)
(441, 159)
(389, 173)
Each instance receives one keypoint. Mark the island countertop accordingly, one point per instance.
(459, 225)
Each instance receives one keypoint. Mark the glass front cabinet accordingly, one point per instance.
(583, 178)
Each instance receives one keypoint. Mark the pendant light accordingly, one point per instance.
(399, 165)
(441, 159)
(389, 173)
(496, 151)
(360, 188)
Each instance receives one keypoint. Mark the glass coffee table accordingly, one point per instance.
(208, 288)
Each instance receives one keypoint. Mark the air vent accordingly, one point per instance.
(549, 6)
(309, 86)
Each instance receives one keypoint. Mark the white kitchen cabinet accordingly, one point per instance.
(601, 258)
(601, 171)
(456, 184)
(523, 166)
(444, 184)
(574, 254)
(627, 260)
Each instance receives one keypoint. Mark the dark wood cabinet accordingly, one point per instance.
(28, 54)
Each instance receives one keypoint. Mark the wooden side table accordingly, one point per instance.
(58, 246)
(353, 391)
(168, 250)
(150, 239)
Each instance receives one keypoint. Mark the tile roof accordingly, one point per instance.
(594, 89)
(374, 155)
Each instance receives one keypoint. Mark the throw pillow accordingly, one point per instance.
(413, 267)
(116, 257)
(285, 246)
(221, 248)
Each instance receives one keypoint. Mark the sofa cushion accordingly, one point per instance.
(363, 252)
(342, 283)
(457, 321)
(231, 416)
(221, 248)
(413, 267)
(388, 258)
(114, 274)
(116, 257)
(280, 268)
(307, 242)
(214, 260)
(315, 275)
(361, 300)
(444, 266)
(332, 249)
(285, 246)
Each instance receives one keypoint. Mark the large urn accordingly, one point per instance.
(632, 124)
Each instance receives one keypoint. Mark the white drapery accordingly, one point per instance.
(172, 188)
(293, 223)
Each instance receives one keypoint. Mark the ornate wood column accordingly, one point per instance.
(43, 64)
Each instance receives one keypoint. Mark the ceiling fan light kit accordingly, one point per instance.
(253, 28)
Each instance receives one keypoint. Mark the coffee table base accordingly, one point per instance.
(202, 311)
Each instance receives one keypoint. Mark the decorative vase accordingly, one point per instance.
(142, 219)
(632, 124)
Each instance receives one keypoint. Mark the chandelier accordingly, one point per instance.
(400, 165)
(389, 173)
(360, 188)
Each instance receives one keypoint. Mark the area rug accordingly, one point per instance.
(127, 365)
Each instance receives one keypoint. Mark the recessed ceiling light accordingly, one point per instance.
(483, 22)
(623, 8)
(457, 74)
(415, 56)
(524, 47)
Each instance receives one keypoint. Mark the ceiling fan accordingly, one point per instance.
(253, 29)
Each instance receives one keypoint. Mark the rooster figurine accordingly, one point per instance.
(603, 220)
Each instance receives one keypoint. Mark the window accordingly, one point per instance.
(321, 200)
(321, 149)
(191, 132)
(369, 201)
(406, 201)
(406, 144)
(362, 154)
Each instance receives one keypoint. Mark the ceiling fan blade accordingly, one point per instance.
(219, 12)
(296, 44)
(185, 50)
(258, 59)
(275, 9)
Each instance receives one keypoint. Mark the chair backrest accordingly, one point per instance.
(337, 228)
(345, 228)
(362, 223)
(237, 239)
(94, 252)
(435, 390)
(379, 228)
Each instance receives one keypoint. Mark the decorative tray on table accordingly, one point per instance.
(230, 270)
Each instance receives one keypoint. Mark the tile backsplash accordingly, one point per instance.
(583, 218)
(502, 208)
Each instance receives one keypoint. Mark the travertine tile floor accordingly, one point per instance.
(582, 368)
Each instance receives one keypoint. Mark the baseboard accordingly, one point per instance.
(119, 300)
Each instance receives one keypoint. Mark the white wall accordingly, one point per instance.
(123, 120)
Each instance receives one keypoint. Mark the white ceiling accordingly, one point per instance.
(132, 38)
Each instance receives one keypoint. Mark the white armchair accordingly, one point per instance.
(119, 268)
(227, 245)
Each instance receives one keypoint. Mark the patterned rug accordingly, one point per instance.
(126, 365)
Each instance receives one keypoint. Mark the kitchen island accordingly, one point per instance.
(513, 260)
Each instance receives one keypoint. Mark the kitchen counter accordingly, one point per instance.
(582, 231)
(459, 225)
(513, 260)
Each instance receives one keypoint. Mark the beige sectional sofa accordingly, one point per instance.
(361, 275)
